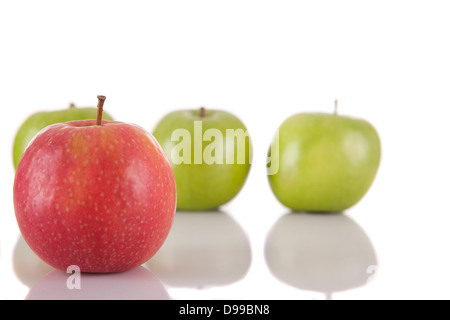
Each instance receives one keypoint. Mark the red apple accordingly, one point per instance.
(99, 194)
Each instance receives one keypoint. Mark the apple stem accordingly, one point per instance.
(72, 105)
(335, 107)
(101, 101)
(202, 112)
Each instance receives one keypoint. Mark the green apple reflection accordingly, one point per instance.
(319, 252)
(203, 249)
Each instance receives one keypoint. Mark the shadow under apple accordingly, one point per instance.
(203, 249)
(27, 266)
(136, 284)
(319, 252)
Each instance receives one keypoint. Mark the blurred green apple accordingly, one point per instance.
(38, 121)
(210, 154)
(323, 162)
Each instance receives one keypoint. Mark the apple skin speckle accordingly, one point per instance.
(99, 197)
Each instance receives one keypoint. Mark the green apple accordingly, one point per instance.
(210, 154)
(38, 121)
(323, 162)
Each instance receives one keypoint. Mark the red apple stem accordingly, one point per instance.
(202, 112)
(101, 101)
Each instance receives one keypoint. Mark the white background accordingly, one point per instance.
(385, 61)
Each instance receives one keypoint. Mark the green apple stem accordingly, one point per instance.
(101, 101)
(72, 105)
(202, 112)
(335, 107)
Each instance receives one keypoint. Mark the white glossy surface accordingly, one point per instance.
(387, 62)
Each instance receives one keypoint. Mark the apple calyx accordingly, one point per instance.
(101, 101)
(202, 112)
